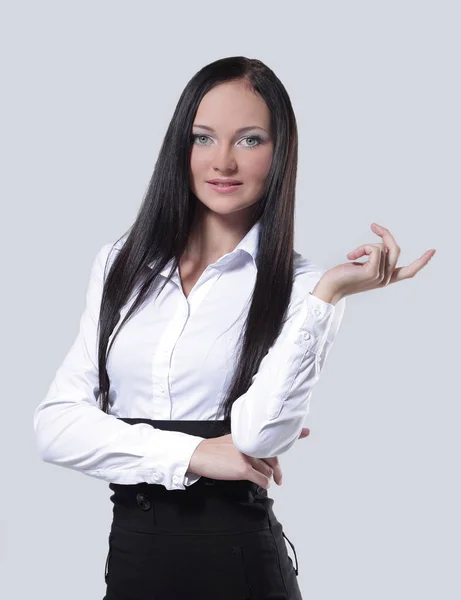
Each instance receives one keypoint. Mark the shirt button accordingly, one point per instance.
(158, 477)
(162, 389)
(317, 312)
(175, 479)
(306, 335)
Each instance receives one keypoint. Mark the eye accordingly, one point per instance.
(254, 137)
(196, 137)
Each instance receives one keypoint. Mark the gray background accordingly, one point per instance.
(371, 498)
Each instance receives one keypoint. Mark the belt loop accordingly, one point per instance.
(294, 550)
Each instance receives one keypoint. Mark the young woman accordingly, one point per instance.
(202, 338)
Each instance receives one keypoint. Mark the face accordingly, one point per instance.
(231, 139)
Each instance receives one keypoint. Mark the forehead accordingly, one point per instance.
(231, 105)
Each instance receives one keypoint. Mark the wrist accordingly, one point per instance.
(194, 462)
(326, 294)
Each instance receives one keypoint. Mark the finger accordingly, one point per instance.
(382, 262)
(374, 252)
(388, 267)
(363, 250)
(393, 250)
(262, 466)
(305, 431)
(257, 477)
(388, 239)
(410, 270)
(277, 469)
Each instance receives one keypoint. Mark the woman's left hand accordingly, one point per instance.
(377, 272)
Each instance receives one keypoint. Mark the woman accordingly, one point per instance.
(203, 335)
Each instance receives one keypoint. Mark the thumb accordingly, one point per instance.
(304, 433)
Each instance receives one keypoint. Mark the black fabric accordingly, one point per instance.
(215, 540)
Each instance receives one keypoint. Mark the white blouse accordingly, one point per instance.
(173, 360)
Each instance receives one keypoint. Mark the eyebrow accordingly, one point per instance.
(241, 130)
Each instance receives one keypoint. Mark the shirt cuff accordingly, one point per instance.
(181, 474)
(313, 331)
(191, 478)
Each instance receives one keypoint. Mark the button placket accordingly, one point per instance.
(161, 363)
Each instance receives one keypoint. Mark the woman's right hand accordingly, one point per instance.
(218, 458)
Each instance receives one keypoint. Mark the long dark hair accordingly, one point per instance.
(161, 229)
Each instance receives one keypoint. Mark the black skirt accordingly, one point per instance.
(215, 540)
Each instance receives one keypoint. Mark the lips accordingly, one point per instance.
(226, 188)
(225, 181)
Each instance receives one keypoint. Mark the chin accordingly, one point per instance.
(223, 206)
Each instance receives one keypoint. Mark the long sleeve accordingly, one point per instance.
(266, 421)
(72, 431)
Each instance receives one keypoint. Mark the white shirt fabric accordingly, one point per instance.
(172, 360)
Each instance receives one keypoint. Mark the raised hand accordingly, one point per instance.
(378, 271)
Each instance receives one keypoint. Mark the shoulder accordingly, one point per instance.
(106, 255)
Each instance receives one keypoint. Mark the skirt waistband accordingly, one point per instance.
(206, 429)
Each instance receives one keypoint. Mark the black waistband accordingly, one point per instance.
(205, 429)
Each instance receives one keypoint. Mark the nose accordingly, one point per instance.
(224, 159)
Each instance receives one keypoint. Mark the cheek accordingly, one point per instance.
(198, 163)
(258, 165)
